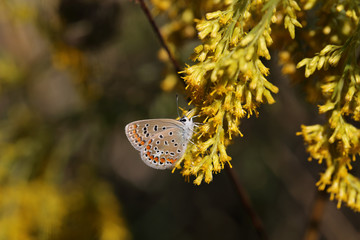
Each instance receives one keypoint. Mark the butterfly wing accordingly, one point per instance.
(140, 132)
(165, 148)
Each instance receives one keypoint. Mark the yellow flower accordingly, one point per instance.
(228, 81)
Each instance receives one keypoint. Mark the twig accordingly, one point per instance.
(312, 230)
(256, 221)
(161, 39)
(239, 188)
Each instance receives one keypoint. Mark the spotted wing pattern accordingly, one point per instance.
(165, 149)
(140, 132)
(161, 142)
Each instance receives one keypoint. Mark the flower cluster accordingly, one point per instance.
(337, 141)
(179, 29)
(290, 20)
(329, 56)
(228, 81)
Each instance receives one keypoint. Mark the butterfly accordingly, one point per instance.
(161, 142)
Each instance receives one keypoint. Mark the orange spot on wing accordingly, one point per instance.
(162, 160)
(171, 160)
(151, 157)
(136, 136)
(148, 147)
(156, 159)
(150, 141)
(142, 143)
(134, 131)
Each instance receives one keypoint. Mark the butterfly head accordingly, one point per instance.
(186, 121)
(188, 126)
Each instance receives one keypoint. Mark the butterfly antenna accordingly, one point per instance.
(177, 105)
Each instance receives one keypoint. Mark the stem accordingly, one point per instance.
(244, 198)
(312, 230)
(160, 37)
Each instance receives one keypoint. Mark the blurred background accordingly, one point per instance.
(73, 73)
